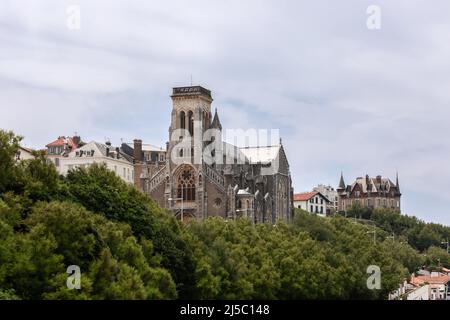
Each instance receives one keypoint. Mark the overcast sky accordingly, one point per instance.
(343, 96)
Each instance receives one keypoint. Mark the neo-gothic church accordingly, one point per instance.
(255, 184)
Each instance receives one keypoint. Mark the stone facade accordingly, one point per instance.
(250, 185)
(369, 192)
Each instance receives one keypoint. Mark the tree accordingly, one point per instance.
(28, 261)
(39, 179)
(9, 146)
(100, 247)
(437, 257)
(100, 190)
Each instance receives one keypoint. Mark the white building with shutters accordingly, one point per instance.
(93, 152)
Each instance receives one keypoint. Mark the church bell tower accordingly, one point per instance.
(190, 118)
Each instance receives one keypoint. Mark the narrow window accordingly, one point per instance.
(191, 123)
(182, 120)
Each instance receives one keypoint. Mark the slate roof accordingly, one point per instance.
(261, 154)
(102, 148)
(147, 147)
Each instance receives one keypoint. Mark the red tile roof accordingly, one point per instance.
(441, 279)
(61, 141)
(304, 196)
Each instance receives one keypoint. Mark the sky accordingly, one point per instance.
(345, 97)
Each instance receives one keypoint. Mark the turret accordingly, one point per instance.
(216, 122)
(342, 183)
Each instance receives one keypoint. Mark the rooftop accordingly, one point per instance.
(244, 192)
(261, 154)
(191, 90)
(440, 279)
(304, 196)
(61, 141)
(147, 147)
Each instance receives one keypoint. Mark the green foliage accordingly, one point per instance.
(9, 145)
(100, 190)
(358, 211)
(28, 261)
(39, 179)
(351, 250)
(112, 261)
(417, 233)
(10, 209)
(243, 261)
(8, 295)
(437, 257)
(407, 255)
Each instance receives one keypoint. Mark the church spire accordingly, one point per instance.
(341, 182)
(216, 122)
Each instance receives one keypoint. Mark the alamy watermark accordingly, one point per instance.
(373, 21)
(73, 17)
(74, 278)
(196, 147)
(374, 280)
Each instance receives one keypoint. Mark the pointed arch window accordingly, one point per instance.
(186, 184)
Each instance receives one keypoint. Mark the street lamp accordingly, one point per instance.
(445, 242)
(374, 235)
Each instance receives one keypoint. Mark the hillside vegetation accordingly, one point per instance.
(129, 248)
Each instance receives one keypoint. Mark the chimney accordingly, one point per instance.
(108, 146)
(137, 153)
(137, 150)
(76, 140)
